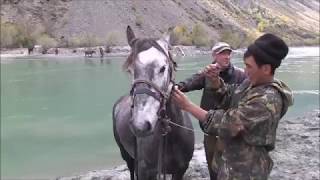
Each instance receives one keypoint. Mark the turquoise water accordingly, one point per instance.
(56, 112)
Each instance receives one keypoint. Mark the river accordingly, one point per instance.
(56, 112)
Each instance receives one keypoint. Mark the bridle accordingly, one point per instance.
(160, 95)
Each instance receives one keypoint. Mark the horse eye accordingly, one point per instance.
(162, 69)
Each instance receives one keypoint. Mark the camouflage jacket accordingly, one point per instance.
(232, 75)
(258, 109)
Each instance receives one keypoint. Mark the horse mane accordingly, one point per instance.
(140, 45)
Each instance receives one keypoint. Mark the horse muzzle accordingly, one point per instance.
(141, 129)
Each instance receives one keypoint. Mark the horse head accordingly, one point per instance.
(151, 67)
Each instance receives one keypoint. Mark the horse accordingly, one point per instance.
(89, 53)
(154, 136)
(30, 50)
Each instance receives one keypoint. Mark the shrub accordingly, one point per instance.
(231, 38)
(180, 35)
(91, 40)
(249, 38)
(112, 39)
(185, 40)
(237, 39)
(139, 20)
(21, 34)
(84, 40)
(199, 36)
(262, 22)
(9, 35)
(29, 33)
(262, 25)
(76, 41)
(46, 42)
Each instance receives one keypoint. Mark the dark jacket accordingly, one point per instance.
(232, 75)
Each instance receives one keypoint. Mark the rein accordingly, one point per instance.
(163, 98)
(186, 128)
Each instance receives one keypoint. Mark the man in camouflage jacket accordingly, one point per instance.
(230, 74)
(248, 114)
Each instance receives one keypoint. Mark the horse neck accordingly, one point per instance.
(174, 112)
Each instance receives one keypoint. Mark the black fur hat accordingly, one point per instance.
(269, 49)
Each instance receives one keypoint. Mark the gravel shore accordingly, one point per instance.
(295, 157)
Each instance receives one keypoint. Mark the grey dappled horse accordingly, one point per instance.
(148, 143)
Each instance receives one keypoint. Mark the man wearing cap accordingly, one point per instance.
(248, 114)
(230, 74)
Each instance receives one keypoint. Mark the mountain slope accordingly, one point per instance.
(235, 21)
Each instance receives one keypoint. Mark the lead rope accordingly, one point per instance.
(136, 160)
(159, 160)
(161, 157)
(163, 143)
(186, 128)
(164, 156)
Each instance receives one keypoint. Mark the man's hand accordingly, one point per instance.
(212, 72)
(185, 104)
(180, 99)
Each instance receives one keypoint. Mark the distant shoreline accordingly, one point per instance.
(116, 51)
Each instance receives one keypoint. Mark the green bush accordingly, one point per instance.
(231, 38)
(20, 34)
(236, 40)
(199, 36)
(262, 22)
(9, 35)
(262, 25)
(46, 41)
(112, 39)
(76, 41)
(84, 40)
(91, 40)
(181, 36)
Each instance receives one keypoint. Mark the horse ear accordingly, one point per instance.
(130, 36)
(165, 41)
(166, 38)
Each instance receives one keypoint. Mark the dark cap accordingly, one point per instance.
(269, 49)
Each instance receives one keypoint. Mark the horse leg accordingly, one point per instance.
(179, 175)
(130, 164)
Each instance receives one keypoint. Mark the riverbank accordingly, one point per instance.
(296, 155)
(113, 51)
(123, 51)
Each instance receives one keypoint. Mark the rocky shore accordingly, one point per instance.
(296, 156)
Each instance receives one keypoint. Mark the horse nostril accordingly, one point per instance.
(147, 126)
(141, 129)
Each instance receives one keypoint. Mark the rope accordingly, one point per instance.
(160, 159)
(186, 128)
